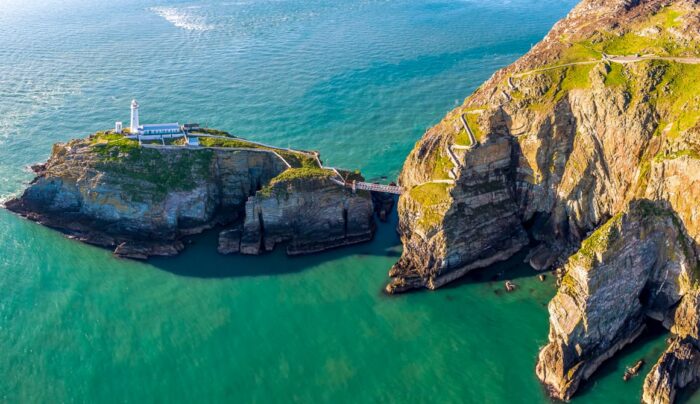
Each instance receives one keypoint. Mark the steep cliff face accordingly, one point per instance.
(443, 240)
(679, 366)
(312, 214)
(638, 264)
(573, 132)
(596, 129)
(107, 190)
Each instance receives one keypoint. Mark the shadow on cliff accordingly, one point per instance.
(647, 347)
(540, 225)
(201, 260)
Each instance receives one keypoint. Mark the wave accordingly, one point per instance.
(182, 19)
(5, 198)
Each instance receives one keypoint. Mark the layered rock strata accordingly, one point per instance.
(638, 265)
(679, 366)
(310, 215)
(140, 201)
(595, 131)
(563, 150)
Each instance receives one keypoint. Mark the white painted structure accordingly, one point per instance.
(118, 127)
(134, 127)
(160, 129)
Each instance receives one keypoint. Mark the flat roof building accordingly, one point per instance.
(160, 129)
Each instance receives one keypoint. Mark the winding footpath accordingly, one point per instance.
(336, 178)
(612, 59)
(511, 85)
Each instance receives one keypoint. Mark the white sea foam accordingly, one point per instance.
(6, 197)
(182, 18)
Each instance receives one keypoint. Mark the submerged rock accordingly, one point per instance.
(383, 204)
(633, 371)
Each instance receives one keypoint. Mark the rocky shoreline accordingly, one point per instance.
(102, 190)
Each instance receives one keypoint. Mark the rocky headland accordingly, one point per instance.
(587, 150)
(142, 200)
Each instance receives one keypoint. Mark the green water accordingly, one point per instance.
(359, 80)
(80, 325)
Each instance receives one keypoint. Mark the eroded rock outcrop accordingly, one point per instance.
(637, 265)
(311, 214)
(140, 201)
(471, 233)
(679, 366)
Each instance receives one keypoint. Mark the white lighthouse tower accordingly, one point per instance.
(134, 128)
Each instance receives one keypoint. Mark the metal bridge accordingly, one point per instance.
(389, 189)
(366, 186)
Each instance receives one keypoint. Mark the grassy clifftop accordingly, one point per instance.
(118, 155)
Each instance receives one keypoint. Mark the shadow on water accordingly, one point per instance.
(201, 260)
(628, 356)
(511, 269)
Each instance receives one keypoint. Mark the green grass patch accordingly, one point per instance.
(462, 138)
(111, 145)
(434, 201)
(617, 75)
(233, 142)
(296, 160)
(575, 77)
(580, 52)
(632, 43)
(302, 173)
(563, 80)
(693, 154)
(294, 174)
(441, 165)
(677, 97)
(599, 241)
(473, 121)
(213, 132)
(669, 16)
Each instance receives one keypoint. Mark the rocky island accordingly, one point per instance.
(587, 150)
(141, 198)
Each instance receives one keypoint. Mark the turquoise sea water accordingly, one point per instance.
(359, 80)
